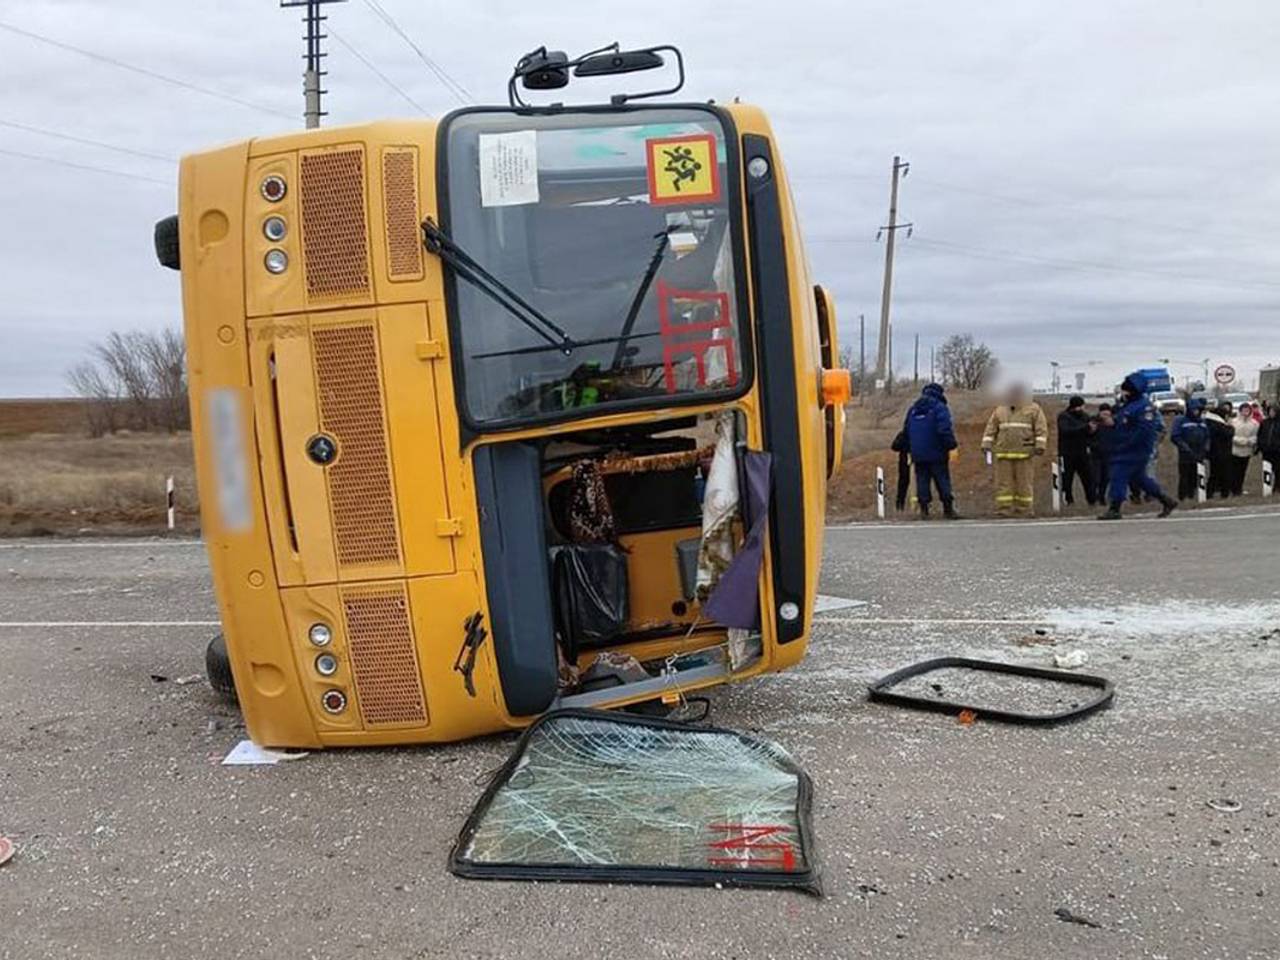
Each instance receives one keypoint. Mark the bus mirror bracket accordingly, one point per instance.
(544, 69)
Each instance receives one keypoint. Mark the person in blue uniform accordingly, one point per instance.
(1190, 434)
(931, 438)
(1133, 439)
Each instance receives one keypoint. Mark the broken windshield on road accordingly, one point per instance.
(618, 228)
(609, 797)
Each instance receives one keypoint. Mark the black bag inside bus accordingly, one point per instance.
(590, 595)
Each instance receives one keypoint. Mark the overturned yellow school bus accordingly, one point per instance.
(460, 392)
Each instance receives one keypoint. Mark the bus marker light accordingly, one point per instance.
(274, 188)
(334, 701)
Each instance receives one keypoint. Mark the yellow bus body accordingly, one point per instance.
(383, 545)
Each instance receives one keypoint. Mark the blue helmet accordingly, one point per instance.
(1136, 383)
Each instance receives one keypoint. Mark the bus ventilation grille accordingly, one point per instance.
(335, 246)
(400, 200)
(360, 494)
(380, 640)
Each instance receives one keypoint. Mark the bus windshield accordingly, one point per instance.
(616, 227)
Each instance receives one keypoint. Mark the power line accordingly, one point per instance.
(143, 71)
(1072, 208)
(86, 140)
(1087, 265)
(460, 92)
(84, 166)
(1062, 202)
(381, 76)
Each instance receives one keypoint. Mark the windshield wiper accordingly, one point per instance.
(465, 266)
(646, 281)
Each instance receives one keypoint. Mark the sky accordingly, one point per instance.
(1095, 183)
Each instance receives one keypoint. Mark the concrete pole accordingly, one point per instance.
(882, 357)
(311, 93)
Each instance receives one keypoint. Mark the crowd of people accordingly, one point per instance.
(1111, 454)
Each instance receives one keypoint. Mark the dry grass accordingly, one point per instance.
(64, 483)
(23, 417)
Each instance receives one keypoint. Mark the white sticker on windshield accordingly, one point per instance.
(508, 168)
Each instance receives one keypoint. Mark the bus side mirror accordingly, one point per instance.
(544, 70)
(622, 61)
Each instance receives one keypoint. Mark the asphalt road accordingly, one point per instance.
(936, 839)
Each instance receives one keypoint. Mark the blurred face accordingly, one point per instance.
(1017, 394)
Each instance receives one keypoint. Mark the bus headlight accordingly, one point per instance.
(274, 229)
(789, 611)
(276, 261)
(326, 664)
(320, 634)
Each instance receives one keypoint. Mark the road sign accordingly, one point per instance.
(1224, 373)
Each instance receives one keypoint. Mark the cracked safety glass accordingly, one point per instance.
(609, 797)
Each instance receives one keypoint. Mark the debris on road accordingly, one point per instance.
(993, 691)
(589, 795)
(1040, 637)
(1225, 805)
(1066, 916)
(246, 753)
(6, 850)
(193, 678)
(1070, 661)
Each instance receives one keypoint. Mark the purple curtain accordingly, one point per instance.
(735, 600)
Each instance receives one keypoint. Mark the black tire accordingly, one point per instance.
(167, 242)
(217, 666)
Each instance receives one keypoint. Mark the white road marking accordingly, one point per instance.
(98, 544)
(1014, 524)
(941, 621)
(109, 623)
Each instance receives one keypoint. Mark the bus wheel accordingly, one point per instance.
(167, 242)
(217, 666)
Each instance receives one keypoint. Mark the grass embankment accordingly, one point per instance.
(54, 479)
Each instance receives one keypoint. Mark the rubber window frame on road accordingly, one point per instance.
(881, 691)
(807, 880)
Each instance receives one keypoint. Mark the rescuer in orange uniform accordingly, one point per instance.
(1016, 433)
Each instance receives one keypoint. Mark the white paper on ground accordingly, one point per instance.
(247, 753)
(508, 168)
(825, 604)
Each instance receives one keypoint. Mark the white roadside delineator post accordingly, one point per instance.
(880, 492)
(168, 492)
(1268, 478)
(1202, 482)
(1056, 471)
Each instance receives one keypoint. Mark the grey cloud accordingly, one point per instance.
(1137, 135)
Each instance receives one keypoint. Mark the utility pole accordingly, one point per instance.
(862, 350)
(915, 369)
(313, 73)
(900, 169)
(933, 378)
(888, 377)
